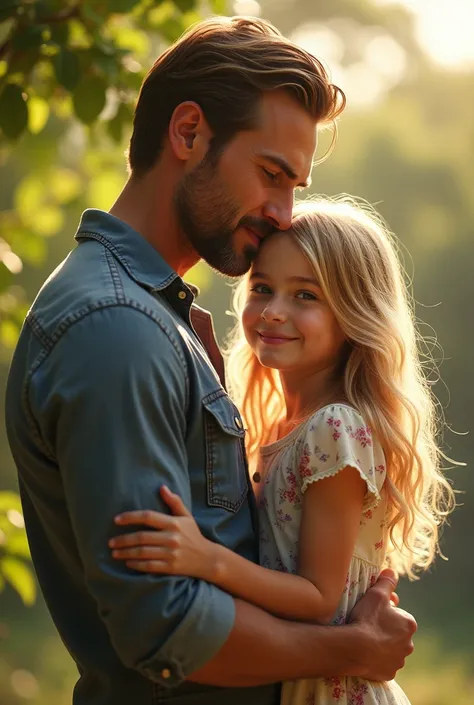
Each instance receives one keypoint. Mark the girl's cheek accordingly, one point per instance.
(249, 321)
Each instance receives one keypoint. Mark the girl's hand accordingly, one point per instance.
(175, 547)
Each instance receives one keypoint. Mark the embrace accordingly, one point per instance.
(211, 537)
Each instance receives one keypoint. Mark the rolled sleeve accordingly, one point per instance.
(112, 399)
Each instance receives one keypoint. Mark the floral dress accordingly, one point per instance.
(333, 438)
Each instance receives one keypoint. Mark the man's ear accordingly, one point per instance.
(188, 133)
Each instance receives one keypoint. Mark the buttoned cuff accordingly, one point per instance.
(200, 635)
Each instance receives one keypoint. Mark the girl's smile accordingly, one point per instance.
(274, 338)
(287, 320)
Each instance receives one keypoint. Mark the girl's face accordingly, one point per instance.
(287, 321)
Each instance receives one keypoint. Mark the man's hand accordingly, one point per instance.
(386, 630)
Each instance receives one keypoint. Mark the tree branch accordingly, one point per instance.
(62, 16)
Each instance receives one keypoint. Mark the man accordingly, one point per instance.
(111, 392)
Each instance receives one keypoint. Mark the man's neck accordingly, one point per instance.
(146, 205)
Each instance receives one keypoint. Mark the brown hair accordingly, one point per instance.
(225, 64)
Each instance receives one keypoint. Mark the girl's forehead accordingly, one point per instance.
(280, 253)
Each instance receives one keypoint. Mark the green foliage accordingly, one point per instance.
(14, 551)
(13, 111)
(86, 49)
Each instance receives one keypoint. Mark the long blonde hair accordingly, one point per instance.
(355, 260)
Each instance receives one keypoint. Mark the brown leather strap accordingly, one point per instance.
(202, 324)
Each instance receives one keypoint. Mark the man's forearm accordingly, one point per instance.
(265, 649)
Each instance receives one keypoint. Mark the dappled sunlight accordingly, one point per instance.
(444, 29)
(365, 62)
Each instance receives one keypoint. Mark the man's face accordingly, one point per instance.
(227, 205)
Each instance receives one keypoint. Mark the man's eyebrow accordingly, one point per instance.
(285, 167)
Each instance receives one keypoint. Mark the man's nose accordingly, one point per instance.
(279, 209)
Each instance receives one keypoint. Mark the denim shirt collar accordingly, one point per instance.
(142, 262)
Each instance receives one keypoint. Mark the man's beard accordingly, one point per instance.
(207, 215)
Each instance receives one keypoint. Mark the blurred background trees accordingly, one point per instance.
(69, 76)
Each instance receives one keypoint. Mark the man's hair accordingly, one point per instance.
(225, 65)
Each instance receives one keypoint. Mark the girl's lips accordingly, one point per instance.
(274, 340)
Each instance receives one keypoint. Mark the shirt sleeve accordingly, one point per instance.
(111, 399)
(337, 437)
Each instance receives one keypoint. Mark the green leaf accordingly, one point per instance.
(20, 578)
(66, 66)
(122, 6)
(13, 111)
(6, 27)
(60, 33)
(157, 15)
(185, 5)
(89, 98)
(29, 37)
(9, 8)
(132, 40)
(47, 8)
(22, 61)
(94, 11)
(38, 113)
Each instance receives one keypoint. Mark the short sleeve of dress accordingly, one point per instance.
(337, 437)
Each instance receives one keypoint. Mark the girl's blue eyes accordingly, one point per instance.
(307, 295)
(302, 295)
(258, 289)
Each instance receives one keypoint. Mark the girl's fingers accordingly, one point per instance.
(147, 517)
(174, 502)
(141, 538)
(149, 566)
(142, 553)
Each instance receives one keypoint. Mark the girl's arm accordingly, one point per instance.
(330, 521)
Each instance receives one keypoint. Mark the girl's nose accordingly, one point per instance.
(273, 312)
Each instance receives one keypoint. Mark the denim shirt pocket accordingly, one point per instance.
(226, 474)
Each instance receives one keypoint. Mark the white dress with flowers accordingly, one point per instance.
(333, 438)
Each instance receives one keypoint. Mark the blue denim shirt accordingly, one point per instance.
(111, 394)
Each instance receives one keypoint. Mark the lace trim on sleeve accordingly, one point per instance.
(372, 497)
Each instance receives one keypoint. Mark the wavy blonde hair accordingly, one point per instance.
(355, 260)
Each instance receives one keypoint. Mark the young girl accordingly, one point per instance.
(341, 437)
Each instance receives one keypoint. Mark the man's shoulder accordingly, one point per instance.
(87, 282)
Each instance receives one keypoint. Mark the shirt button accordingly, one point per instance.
(238, 422)
(256, 477)
(166, 673)
(182, 295)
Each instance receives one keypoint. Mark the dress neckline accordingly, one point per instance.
(295, 432)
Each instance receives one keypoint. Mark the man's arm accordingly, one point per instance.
(118, 434)
(111, 401)
(262, 648)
